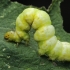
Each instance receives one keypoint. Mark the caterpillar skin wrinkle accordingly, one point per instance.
(45, 34)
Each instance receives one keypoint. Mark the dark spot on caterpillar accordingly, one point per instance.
(6, 37)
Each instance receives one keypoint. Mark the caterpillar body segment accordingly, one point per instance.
(21, 26)
(47, 45)
(65, 55)
(45, 34)
(41, 19)
(56, 51)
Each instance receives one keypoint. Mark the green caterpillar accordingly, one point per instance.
(45, 34)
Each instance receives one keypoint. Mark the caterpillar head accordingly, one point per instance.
(8, 36)
(12, 36)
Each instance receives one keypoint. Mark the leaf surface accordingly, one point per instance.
(22, 57)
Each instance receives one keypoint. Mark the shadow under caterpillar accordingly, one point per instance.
(45, 34)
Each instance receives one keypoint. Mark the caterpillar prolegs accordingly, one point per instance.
(45, 34)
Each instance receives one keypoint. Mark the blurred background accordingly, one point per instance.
(65, 9)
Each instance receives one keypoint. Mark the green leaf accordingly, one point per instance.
(57, 21)
(22, 57)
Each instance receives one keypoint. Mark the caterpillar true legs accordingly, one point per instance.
(45, 34)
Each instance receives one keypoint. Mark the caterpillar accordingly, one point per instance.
(48, 43)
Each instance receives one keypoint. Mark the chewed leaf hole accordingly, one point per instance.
(35, 2)
(65, 12)
(66, 27)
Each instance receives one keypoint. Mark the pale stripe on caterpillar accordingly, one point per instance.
(45, 34)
